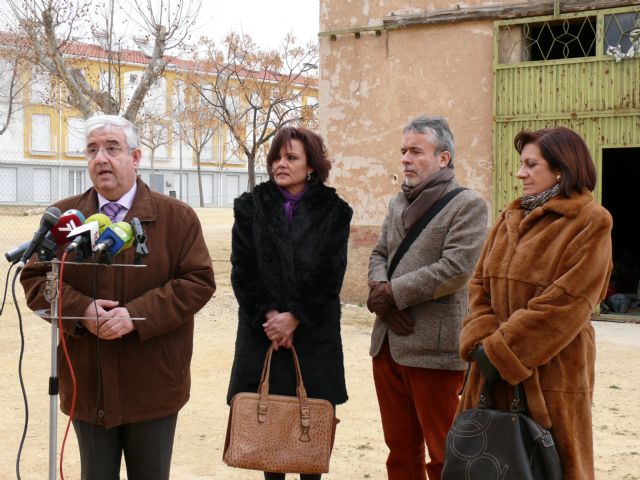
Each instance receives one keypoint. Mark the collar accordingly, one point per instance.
(125, 201)
(567, 207)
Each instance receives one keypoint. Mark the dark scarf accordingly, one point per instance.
(423, 195)
(291, 201)
(530, 202)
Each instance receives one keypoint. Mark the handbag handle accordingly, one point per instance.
(301, 393)
(518, 404)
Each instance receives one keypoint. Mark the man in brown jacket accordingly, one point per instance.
(133, 376)
(420, 305)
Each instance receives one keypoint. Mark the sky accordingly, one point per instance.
(267, 21)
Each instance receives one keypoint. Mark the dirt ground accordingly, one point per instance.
(359, 450)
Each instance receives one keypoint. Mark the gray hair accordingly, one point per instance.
(107, 122)
(438, 127)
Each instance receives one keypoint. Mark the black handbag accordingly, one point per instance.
(485, 443)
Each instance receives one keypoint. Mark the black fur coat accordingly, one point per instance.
(299, 268)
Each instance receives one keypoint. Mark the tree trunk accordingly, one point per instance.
(152, 160)
(251, 169)
(199, 179)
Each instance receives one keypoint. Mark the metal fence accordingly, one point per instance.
(20, 223)
(33, 183)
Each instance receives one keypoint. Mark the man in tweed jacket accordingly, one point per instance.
(419, 310)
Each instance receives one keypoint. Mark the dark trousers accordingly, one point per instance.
(147, 448)
(417, 406)
(303, 476)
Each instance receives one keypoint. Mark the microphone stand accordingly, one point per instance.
(51, 294)
(52, 286)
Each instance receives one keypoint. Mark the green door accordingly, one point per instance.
(574, 70)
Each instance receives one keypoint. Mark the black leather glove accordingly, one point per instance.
(398, 321)
(488, 371)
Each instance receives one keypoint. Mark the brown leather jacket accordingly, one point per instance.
(145, 374)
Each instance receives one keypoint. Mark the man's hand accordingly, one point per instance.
(106, 320)
(116, 323)
(380, 299)
(280, 329)
(399, 321)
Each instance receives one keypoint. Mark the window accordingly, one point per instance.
(6, 74)
(40, 133)
(155, 102)
(8, 184)
(178, 95)
(131, 83)
(75, 136)
(76, 182)
(161, 134)
(549, 40)
(218, 139)
(622, 34)
(206, 154)
(40, 87)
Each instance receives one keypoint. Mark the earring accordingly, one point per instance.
(308, 176)
(558, 178)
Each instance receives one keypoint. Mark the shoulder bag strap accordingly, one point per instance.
(419, 227)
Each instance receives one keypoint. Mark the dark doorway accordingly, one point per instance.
(621, 196)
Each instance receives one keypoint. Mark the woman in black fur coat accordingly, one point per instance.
(288, 256)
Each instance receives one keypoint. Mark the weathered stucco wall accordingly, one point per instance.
(372, 85)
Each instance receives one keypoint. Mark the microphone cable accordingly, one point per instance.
(94, 271)
(63, 342)
(20, 376)
(6, 285)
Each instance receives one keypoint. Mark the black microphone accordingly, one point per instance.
(141, 239)
(47, 248)
(49, 218)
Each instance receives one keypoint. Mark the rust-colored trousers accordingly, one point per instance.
(417, 406)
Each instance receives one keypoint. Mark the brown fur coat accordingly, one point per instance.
(538, 279)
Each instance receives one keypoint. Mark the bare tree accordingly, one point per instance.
(50, 26)
(153, 131)
(254, 92)
(153, 122)
(13, 81)
(196, 123)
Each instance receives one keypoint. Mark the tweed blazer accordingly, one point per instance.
(430, 280)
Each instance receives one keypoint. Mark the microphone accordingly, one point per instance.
(49, 218)
(141, 240)
(68, 221)
(84, 239)
(46, 251)
(102, 219)
(114, 239)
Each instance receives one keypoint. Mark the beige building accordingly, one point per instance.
(491, 68)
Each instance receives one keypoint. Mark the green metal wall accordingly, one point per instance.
(595, 96)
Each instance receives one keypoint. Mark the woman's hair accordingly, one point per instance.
(314, 149)
(107, 122)
(566, 152)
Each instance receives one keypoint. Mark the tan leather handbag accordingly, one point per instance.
(276, 433)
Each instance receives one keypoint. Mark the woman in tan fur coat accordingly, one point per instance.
(543, 269)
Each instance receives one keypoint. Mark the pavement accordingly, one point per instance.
(620, 333)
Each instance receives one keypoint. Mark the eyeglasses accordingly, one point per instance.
(110, 151)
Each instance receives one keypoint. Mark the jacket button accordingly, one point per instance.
(101, 413)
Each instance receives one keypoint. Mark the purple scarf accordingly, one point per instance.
(291, 201)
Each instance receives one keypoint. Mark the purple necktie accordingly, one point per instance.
(111, 210)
